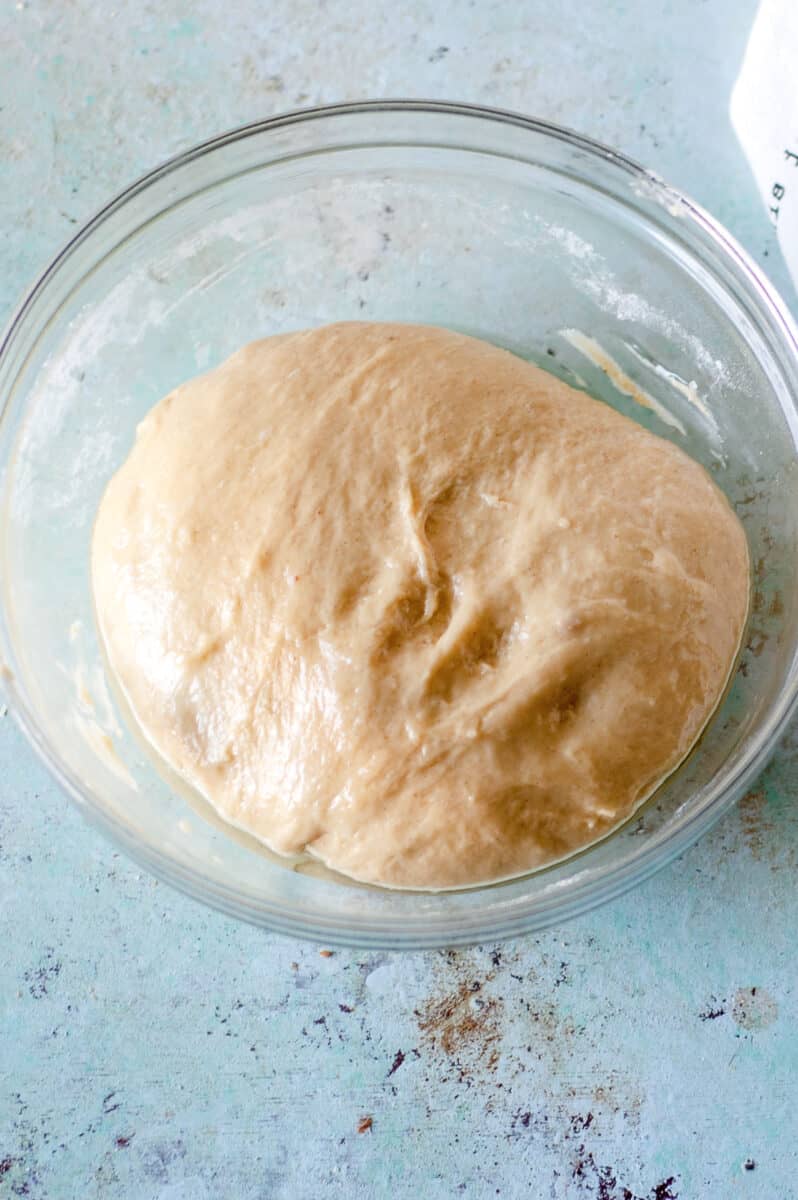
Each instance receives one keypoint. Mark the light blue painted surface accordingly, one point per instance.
(153, 1049)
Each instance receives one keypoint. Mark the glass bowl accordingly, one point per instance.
(483, 221)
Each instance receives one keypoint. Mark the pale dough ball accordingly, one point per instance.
(393, 596)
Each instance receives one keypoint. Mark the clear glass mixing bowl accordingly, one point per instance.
(483, 221)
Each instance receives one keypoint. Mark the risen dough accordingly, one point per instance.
(396, 597)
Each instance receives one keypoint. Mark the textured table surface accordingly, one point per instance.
(150, 1048)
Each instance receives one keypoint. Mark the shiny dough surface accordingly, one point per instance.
(395, 597)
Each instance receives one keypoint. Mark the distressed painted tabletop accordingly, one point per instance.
(150, 1048)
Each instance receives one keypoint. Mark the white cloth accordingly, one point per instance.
(764, 113)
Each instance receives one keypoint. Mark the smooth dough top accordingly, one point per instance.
(396, 597)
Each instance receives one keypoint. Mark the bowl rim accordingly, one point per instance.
(513, 917)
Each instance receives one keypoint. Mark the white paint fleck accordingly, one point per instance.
(388, 979)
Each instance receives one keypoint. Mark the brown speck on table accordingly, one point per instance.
(326, 953)
(294, 966)
(462, 1026)
(365, 1124)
